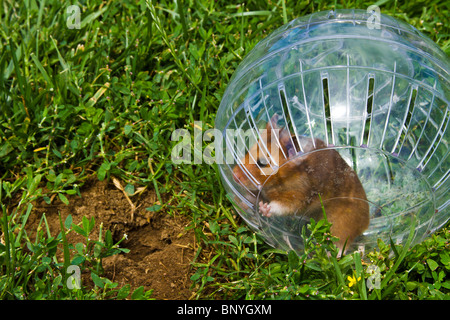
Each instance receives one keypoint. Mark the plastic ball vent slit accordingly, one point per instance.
(379, 96)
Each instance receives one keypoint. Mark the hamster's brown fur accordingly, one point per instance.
(293, 187)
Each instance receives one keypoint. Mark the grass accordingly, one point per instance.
(104, 100)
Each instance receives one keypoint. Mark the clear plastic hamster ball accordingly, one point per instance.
(341, 111)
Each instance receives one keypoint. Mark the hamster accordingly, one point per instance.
(290, 182)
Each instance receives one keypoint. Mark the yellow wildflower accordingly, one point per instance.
(352, 280)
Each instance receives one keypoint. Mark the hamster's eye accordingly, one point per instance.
(262, 162)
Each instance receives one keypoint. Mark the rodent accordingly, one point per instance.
(293, 187)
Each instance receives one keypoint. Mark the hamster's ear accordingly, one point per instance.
(291, 151)
(273, 123)
(286, 140)
(285, 137)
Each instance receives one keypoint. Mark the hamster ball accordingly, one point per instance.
(374, 90)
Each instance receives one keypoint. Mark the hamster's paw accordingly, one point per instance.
(264, 209)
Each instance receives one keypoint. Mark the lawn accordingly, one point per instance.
(98, 103)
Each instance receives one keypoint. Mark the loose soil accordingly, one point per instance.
(161, 249)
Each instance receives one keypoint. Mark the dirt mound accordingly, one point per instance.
(161, 249)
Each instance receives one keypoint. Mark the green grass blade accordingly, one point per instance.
(251, 13)
(20, 79)
(42, 70)
(181, 12)
(62, 61)
(285, 19)
(24, 221)
(5, 230)
(338, 271)
(65, 245)
(360, 273)
(92, 17)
